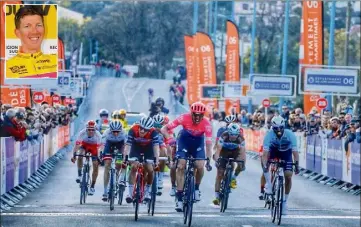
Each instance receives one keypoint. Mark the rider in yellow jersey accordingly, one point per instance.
(32, 64)
(123, 115)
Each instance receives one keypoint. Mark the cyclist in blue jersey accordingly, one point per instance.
(228, 119)
(113, 138)
(280, 143)
(231, 145)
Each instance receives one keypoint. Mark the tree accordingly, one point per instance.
(71, 33)
(141, 33)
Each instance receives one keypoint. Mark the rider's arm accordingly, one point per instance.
(155, 142)
(129, 142)
(170, 126)
(294, 147)
(78, 141)
(208, 135)
(99, 141)
(266, 147)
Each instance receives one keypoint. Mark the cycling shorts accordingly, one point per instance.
(136, 150)
(284, 156)
(235, 154)
(189, 145)
(109, 149)
(84, 148)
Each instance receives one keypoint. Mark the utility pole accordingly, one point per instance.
(348, 25)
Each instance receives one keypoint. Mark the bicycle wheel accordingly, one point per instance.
(137, 197)
(185, 199)
(87, 184)
(222, 192)
(190, 201)
(226, 190)
(82, 186)
(121, 190)
(280, 200)
(111, 190)
(274, 204)
(154, 194)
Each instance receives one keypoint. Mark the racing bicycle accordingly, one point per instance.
(226, 181)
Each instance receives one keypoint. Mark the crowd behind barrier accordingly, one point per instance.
(19, 160)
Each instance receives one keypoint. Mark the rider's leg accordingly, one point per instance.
(80, 162)
(149, 172)
(132, 175)
(107, 164)
(162, 153)
(181, 165)
(239, 156)
(199, 173)
(266, 172)
(95, 172)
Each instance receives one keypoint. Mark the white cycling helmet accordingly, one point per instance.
(146, 122)
(230, 118)
(103, 112)
(115, 126)
(278, 122)
(233, 129)
(158, 119)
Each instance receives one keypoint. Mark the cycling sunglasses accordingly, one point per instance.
(143, 129)
(275, 128)
(115, 131)
(91, 130)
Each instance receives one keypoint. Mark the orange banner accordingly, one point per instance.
(311, 45)
(232, 65)
(61, 54)
(192, 84)
(16, 96)
(206, 64)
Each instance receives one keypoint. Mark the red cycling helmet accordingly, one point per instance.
(90, 124)
(198, 107)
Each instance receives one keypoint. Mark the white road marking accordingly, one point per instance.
(179, 215)
(129, 99)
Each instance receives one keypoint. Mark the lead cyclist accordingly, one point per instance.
(280, 143)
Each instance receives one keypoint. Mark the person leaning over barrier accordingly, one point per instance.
(13, 127)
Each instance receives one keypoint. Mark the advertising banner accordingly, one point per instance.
(232, 73)
(27, 61)
(272, 86)
(10, 163)
(311, 45)
(17, 96)
(330, 80)
(23, 161)
(355, 163)
(192, 83)
(207, 64)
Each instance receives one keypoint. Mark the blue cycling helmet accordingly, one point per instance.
(150, 91)
(115, 126)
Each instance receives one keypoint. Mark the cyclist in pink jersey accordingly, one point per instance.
(190, 142)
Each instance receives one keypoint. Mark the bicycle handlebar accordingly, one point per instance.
(86, 156)
(231, 160)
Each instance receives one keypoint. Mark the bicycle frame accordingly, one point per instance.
(85, 182)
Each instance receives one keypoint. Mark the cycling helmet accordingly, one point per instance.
(150, 91)
(230, 118)
(103, 113)
(233, 129)
(278, 125)
(90, 124)
(158, 119)
(146, 122)
(122, 111)
(198, 107)
(115, 126)
(159, 100)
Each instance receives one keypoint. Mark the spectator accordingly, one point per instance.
(12, 126)
(297, 125)
(242, 118)
(335, 132)
(358, 135)
(312, 127)
(286, 115)
(350, 135)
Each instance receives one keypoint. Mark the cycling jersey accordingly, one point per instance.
(288, 141)
(29, 65)
(111, 142)
(142, 144)
(164, 110)
(281, 148)
(227, 144)
(102, 125)
(195, 130)
(90, 144)
(124, 123)
(220, 131)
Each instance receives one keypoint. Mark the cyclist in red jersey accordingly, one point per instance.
(196, 132)
(89, 140)
(142, 139)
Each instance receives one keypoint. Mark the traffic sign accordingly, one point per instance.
(211, 91)
(266, 103)
(321, 103)
(271, 85)
(38, 97)
(56, 99)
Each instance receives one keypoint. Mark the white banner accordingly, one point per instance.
(3, 166)
(273, 85)
(330, 80)
(85, 70)
(232, 90)
(76, 87)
